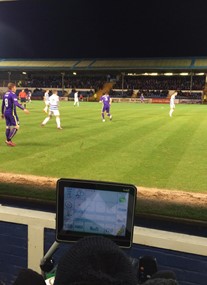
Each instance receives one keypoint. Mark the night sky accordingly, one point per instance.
(103, 29)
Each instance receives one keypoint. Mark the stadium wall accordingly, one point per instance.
(26, 235)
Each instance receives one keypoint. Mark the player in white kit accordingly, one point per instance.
(172, 103)
(76, 99)
(53, 110)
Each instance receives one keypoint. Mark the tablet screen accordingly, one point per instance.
(95, 208)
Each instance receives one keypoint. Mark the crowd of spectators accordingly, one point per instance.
(162, 83)
(149, 86)
(154, 94)
(189, 95)
(93, 82)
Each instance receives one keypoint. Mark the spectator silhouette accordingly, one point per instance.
(95, 260)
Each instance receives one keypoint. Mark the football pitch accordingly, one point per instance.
(142, 145)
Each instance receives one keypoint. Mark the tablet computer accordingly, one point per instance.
(86, 207)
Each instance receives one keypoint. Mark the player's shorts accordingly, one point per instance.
(54, 112)
(172, 106)
(23, 100)
(11, 120)
(106, 109)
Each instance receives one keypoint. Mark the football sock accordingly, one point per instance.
(7, 134)
(58, 122)
(45, 120)
(171, 111)
(12, 133)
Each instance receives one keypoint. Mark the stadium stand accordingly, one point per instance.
(129, 77)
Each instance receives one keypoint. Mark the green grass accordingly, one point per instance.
(142, 145)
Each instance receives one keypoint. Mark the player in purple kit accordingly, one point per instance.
(8, 110)
(106, 101)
